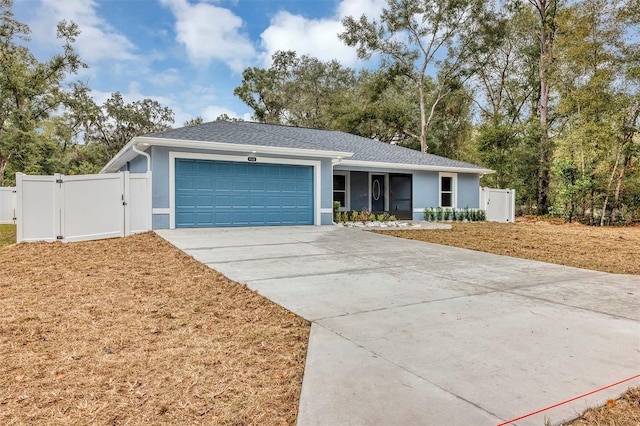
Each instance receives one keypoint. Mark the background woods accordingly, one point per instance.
(545, 92)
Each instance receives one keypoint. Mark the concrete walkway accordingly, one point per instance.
(411, 333)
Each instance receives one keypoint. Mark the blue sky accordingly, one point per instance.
(189, 54)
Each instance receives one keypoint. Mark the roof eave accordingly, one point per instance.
(127, 154)
(404, 166)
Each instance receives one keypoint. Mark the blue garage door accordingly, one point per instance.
(224, 193)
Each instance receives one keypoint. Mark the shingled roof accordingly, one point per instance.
(271, 135)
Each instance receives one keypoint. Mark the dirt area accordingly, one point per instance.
(608, 249)
(132, 331)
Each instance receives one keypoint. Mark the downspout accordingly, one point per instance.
(149, 183)
(137, 151)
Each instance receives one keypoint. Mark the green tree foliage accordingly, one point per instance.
(410, 36)
(30, 91)
(117, 122)
(193, 121)
(50, 126)
(600, 105)
(297, 91)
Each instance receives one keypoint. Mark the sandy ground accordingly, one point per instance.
(132, 331)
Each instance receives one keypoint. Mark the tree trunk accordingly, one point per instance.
(609, 184)
(423, 118)
(3, 167)
(546, 10)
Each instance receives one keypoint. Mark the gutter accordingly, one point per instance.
(402, 166)
(120, 158)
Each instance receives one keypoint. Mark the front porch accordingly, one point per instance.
(376, 192)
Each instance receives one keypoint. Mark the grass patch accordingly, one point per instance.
(7, 235)
(133, 331)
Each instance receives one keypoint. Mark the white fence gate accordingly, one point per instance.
(500, 204)
(7, 205)
(83, 207)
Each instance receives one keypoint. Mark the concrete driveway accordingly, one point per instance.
(411, 333)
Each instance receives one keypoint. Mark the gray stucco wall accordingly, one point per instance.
(138, 165)
(468, 191)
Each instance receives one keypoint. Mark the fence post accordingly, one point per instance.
(18, 215)
(58, 208)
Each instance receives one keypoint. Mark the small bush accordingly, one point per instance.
(429, 214)
(336, 211)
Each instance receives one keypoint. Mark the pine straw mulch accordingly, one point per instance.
(607, 249)
(132, 331)
(622, 412)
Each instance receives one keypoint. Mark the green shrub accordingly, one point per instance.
(336, 211)
(439, 214)
(380, 218)
(429, 214)
(392, 218)
(447, 214)
(354, 216)
(345, 217)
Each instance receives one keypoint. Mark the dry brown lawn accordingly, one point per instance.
(608, 249)
(133, 331)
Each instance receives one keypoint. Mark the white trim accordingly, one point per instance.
(454, 189)
(127, 154)
(398, 166)
(347, 189)
(162, 210)
(241, 159)
(418, 210)
(325, 210)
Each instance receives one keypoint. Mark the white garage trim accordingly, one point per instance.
(173, 155)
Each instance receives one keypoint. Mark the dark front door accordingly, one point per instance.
(400, 199)
(377, 193)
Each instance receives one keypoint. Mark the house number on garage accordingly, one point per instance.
(251, 159)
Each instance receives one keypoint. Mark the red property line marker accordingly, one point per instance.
(568, 400)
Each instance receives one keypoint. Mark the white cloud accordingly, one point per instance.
(210, 33)
(97, 41)
(316, 37)
(212, 112)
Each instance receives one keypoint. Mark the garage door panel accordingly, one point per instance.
(185, 182)
(222, 193)
(241, 184)
(204, 183)
(288, 186)
(186, 200)
(204, 200)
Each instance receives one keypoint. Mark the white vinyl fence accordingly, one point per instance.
(83, 207)
(7, 205)
(500, 204)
